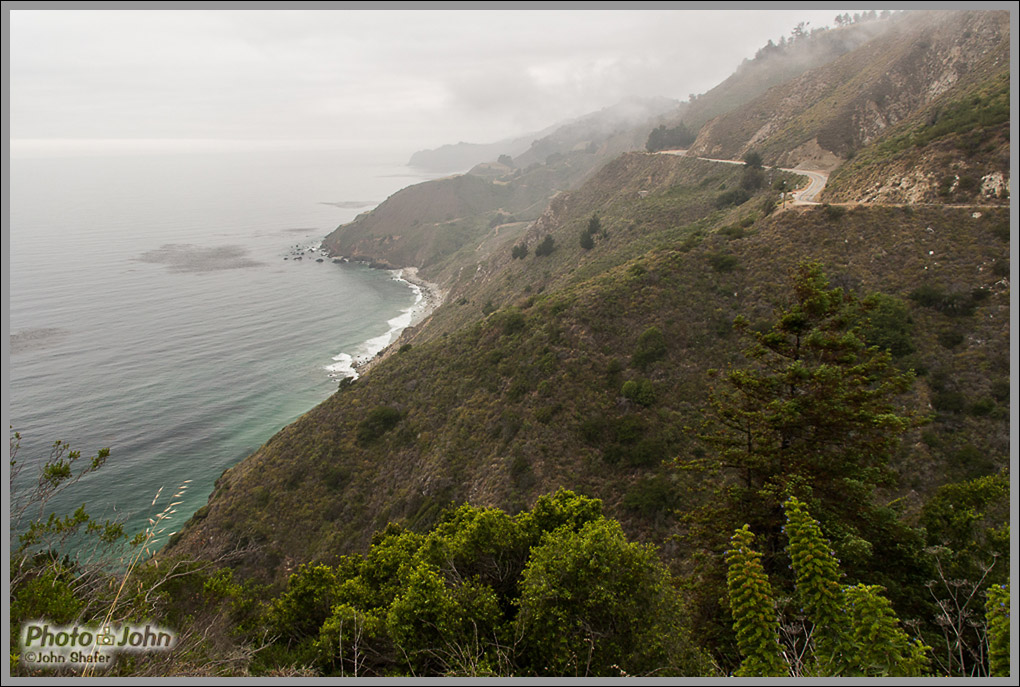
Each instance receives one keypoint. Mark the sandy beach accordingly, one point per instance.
(432, 295)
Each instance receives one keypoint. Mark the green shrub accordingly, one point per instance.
(651, 346)
(641, 391)
(637, 450)
(510, 320)
(953, 304)
(949, 402)
(519, 466)
(518, 389)
(981, 408)
(651, 496)
(546, 413)
(521, 474)
(380, 420)
(889, 325)
(997, 613)
(752, 179)
(733, 231)
(1000, 390)
(833, 212)
(950, 338)
(554, 590)
(613, 370)
(594, 604)
(662, 138)
(970, 462)
(968, 184)
(723, 262)
(736, 196)
(48, 594)
(594, 429)
(627, 429)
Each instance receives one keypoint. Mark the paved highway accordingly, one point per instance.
(807, 195)
(803, 196)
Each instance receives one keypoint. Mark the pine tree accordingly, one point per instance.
(814, 416)
(546, 246)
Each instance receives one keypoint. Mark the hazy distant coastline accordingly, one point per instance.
(351, 204)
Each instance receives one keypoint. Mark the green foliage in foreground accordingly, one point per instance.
(754, 609)
(856, 633)
(997, 612)
(557, 590)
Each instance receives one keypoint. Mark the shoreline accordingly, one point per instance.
(432, 296)
(429, 296)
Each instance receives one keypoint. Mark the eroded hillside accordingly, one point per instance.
(830, 114)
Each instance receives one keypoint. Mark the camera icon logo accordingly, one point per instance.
(105, 637)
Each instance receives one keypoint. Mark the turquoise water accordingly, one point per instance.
(157, 308)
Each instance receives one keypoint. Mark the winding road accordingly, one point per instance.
(807, 195)
(802, 196)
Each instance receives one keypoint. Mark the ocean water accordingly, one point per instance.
(158, 307)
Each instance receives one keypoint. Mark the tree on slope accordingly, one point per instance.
(815, 415)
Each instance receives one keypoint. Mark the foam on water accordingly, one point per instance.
(347, 364)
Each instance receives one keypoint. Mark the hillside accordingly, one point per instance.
(776, 64)
(955, 150)
(598, 302)
(831, 113)
(528, 397)
(609, 132)
(425, 225)
(528, 356)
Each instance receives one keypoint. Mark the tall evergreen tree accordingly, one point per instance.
(816, 416)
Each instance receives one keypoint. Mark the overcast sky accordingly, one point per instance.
(407, 78)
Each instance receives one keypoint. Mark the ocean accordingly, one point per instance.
(172, 306)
